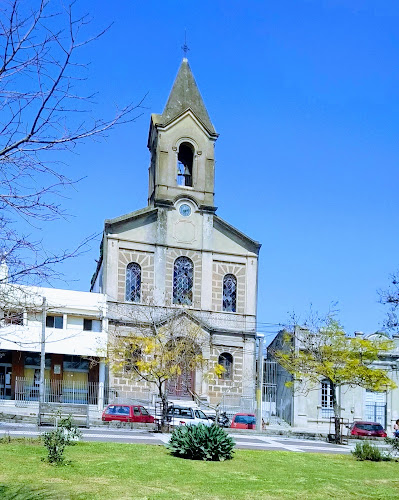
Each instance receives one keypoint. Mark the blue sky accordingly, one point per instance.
(304, 95)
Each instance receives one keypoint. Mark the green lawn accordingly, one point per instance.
(122, 471)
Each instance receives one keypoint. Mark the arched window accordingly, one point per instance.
(229, 293)
(183, 274)
(133, 282)
(185, 159)
(226, 360)
(132, 355)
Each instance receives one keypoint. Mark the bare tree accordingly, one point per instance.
(390, 297)
(43, 110)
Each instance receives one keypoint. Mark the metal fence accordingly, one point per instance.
(232, 404)
(62, 391)
(269, 390)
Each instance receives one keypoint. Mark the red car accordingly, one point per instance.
(367, 429)
(127, 413)
(243, 421)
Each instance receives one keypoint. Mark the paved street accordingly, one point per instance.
(245, 441)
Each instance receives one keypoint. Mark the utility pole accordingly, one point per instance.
(42, 356)
(259, 385)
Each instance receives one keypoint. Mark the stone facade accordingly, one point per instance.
(220, 270)
(232, 386)
(171, 255)
(181, 221)
(146, 262)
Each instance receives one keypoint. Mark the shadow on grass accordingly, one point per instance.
(25, 493)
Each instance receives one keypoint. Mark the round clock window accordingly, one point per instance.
(185, 210)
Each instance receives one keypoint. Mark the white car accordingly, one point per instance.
(187, 415)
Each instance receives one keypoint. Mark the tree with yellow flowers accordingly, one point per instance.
(326, 352)
(160, 349)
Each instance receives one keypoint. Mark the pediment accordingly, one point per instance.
(229, 239)
(138, 226)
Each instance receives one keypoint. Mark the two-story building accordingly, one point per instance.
(75, 340)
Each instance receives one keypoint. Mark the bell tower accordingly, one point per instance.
(181, 142)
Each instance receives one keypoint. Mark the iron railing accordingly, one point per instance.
(62, 391)
(65, 391)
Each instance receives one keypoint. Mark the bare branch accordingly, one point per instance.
(40, 99)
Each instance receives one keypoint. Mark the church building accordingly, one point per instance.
(176, 256)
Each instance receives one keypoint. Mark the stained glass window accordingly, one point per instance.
(226, 360)
(183, 281)
(133, 282)
(229, 293)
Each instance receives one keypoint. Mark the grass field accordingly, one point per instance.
(123, 471)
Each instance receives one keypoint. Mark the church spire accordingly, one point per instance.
(181, 142)
(185, 95)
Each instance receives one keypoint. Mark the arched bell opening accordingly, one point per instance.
(185, 161)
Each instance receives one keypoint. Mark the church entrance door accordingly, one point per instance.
(181, 386)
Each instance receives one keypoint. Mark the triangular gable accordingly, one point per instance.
(136, 225)
(228, 238)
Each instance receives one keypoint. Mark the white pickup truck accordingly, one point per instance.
(187, 415)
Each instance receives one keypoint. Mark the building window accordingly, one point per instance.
(87, 325)
(226, 360)
(75, 363)
(32, 360)
(133, 282)
(183, 275)
(55, 322)
(327, 409)
(185, 159)
(91, 325)
(132, 356)
(229, 293)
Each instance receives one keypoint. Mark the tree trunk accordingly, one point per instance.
(337, 413)
(164, 399)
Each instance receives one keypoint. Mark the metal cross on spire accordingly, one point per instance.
(184, 47)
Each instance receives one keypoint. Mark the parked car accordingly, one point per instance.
(187, 415)
(243, 421)
(367, 429)
(127, 413)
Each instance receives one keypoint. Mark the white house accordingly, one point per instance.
(313, 408)
(75, 342)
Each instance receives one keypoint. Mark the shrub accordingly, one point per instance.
(55, 442)
(71, 432)
(200, 442)
(368, 451)
(394, 443)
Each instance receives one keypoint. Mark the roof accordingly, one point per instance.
(143, 212)
(183, 96)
